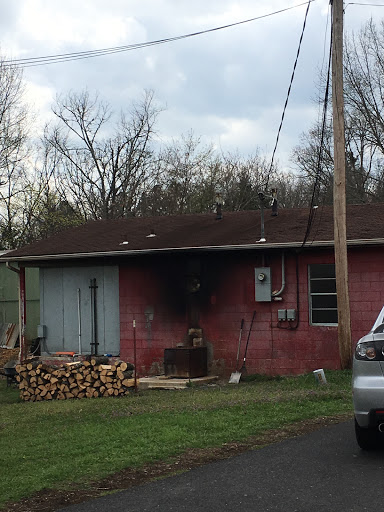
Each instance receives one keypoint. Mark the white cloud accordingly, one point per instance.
(229, 86)
(76, 23)
(40, 98)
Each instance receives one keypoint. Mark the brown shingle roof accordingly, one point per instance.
(364, 222)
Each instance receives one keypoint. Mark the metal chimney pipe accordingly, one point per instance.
(219, 204)
(262, 197)
(274, 202)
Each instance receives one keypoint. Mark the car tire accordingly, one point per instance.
(367, 438)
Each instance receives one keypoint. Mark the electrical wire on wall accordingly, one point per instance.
(315, 191)
(291, 327)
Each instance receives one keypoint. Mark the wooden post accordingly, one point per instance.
(22, 310)
(134, 355)
(339, 195)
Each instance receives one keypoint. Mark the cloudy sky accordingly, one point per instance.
(227, 86)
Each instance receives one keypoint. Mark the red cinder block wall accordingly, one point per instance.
(227, 296)
(150, 284)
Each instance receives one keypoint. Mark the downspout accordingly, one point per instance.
(22, 310)
(293, 327)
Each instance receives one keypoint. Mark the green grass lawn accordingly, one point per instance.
(61, 443)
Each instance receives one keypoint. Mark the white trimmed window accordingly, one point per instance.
(322, 294)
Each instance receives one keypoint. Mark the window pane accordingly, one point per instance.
(324, 301)
(321, 316)
(323, 286)
(323, 298)
(327, 270)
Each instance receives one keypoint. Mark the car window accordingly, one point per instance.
(379, 329)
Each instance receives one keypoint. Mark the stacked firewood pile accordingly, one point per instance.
(84, 379)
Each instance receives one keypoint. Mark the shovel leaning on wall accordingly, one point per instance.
(235, 376)
(243, 368)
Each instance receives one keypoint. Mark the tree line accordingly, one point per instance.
(364, 124)
(91, 163)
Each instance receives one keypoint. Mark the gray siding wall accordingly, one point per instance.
(59, 308)
(9, 299)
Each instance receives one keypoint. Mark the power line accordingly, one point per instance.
(325, 40)
(289, 92)
(360, 3)
(315, 190)
(65, 57)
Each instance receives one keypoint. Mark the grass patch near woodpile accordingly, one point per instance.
(58, 444)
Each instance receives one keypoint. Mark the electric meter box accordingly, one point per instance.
(41, 331)
(263, 285)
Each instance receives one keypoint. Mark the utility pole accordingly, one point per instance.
(339, 199)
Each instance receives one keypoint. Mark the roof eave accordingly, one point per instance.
(240, 247)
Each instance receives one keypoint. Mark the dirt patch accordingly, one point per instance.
(50, 500)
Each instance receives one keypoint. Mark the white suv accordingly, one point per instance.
(368, 386)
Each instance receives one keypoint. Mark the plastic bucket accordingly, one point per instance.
(320, 376)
